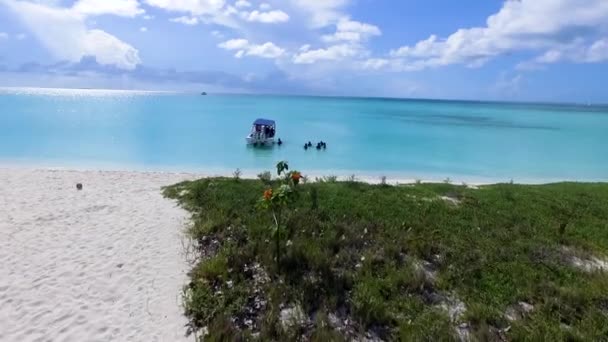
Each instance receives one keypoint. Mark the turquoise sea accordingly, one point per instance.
(424, 139)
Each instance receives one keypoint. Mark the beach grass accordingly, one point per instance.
(407, 262)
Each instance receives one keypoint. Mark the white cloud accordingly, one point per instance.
(265, 6)
(551, 26)
(21, 36)
(109, 50)
(3, 35)
(242, 4)
(352, 31)
(194, 7)
(234, 44)
(347, 45)
(217, 34)
(245, 48)
(332, 53)
(64, 34)
(266, 50)
(205, 11)
(579, 51)
(124, 8)
(185, 20)
(322, 12)
(271, 17)
(143, 29)
(148, 17)
(374, 63)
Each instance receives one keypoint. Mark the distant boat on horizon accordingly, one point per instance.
(204, 93)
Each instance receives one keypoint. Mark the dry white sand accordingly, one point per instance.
(102, 264)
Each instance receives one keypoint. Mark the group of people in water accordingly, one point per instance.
(320, 145)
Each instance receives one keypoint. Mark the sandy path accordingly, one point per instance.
(102, 264)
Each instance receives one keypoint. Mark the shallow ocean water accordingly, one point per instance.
(424, 139)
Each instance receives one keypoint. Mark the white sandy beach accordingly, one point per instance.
(102, 264)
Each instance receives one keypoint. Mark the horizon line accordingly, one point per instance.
(392, 98)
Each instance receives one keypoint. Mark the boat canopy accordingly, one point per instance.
(264, 122)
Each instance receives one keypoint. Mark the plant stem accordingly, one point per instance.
(277, 221)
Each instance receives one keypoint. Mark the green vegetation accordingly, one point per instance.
(412, 262)
(265, 177)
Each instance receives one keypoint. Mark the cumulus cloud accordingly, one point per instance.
(207, 11)
(234, 44)
(374, 63)
(143, 29)
(242, 4)
(244, 48)
(353, 31)
(347, 43)
(64, 34)
(322, 12)
(564, 30)
(124, 8)
(270, 17)
(332, 53)
(185, 20)
(194, 7)
(579, 51)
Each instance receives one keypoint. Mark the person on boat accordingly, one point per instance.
(305, 146)
(280, 142)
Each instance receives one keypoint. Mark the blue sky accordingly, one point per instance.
(523, 50)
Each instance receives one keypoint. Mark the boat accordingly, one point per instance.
(262, 133)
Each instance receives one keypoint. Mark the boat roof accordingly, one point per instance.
(264, 122)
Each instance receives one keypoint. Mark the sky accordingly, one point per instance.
(513, 50)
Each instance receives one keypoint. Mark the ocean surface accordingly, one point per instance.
(408, 139)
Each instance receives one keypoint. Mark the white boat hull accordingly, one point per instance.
(259, 141)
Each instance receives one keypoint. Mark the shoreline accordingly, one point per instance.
(370, 177)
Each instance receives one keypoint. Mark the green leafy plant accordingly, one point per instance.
(277, 202)
(314, 197)
(282, 166)
(330, 179)
(265, 177)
